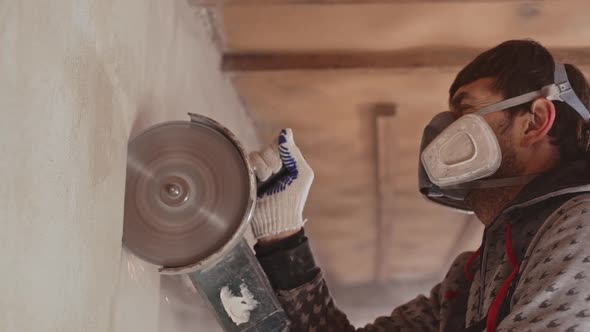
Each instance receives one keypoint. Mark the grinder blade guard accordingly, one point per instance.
(190, 193)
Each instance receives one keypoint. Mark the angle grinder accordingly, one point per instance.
(190, 192)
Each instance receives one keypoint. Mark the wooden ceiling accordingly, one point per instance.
(323, 68)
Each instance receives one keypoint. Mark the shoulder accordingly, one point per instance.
(574, 204)
(456, 281)
(561, 241)
(457, 270)
(569, 219)
(557, 264)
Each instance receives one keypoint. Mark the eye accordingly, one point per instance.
(465, 109)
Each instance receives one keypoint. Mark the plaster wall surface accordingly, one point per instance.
(77, 79)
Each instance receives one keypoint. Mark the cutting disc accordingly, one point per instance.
(187, 193)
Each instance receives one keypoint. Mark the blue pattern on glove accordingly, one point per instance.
(289, 163)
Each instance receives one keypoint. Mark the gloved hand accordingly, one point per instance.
(280, 208)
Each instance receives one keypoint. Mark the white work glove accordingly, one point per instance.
(280, 207)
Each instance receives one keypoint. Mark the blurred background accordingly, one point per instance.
(357, 80)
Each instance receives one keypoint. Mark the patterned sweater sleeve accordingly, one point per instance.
(306, 299)
(552, 293)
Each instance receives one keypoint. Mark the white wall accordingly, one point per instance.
(76, 77)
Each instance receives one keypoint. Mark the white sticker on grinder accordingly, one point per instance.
(238, 307)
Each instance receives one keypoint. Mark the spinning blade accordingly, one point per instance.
(187, 193)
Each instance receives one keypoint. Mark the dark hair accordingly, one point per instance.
(521, 66)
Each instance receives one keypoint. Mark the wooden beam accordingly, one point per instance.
(402, 59)
(385, 171)
(208, 3)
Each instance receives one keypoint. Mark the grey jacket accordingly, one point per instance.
(531, 272)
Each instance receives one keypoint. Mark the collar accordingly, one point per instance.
(570, 178)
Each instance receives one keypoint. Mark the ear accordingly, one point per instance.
(539, 121)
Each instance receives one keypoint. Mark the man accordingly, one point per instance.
(513, 150)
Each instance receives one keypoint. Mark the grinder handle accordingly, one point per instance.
(263, 186)
(239, 274)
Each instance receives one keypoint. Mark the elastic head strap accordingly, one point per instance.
(560, 90)
(567, 94)
(495, 183)
(511, 102)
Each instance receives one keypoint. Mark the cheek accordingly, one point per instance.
(505, 128)
(507, 136)
(508, 146)
(498, 121)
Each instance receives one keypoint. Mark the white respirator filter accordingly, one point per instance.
(465, 151)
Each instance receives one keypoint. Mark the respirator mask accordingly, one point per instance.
(456, 155)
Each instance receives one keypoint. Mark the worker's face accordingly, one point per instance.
(473, 97)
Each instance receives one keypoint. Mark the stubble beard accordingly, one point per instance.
(487, 203)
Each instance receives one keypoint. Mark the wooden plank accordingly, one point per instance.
(385, 132)
(402, 59)
(208, 3)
